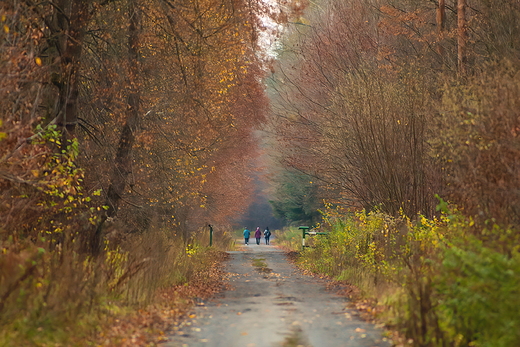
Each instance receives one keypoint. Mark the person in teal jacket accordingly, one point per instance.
(247, 233)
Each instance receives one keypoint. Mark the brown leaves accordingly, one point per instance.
(413, 24)
(150, 325)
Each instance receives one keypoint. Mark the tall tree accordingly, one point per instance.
(462, 37)
(352, 115)
(69, 25)
(123, 158)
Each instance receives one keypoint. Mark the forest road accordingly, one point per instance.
(270, 303)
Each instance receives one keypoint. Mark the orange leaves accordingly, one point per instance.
(413, 24)
(197, 57)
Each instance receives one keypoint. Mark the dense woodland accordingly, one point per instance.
(128, 126)
(125, 130)
(403, 117)
(387, 103)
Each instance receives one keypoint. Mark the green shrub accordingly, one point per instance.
(442, 283)
(478, 293)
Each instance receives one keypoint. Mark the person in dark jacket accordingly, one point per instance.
(258, 235)
(247, 233)
(267, 235)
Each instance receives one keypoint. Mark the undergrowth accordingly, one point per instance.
(55, 292)
(440, 282)
(121, 299)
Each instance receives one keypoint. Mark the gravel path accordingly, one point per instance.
(272, 304)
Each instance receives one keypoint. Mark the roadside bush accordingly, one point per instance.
(60, 297)
(478, 295)
(440, 284)
(476, 143)
(52, 293)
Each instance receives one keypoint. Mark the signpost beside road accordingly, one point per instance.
(305, 232)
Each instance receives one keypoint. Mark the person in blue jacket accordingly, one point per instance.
(247, 233)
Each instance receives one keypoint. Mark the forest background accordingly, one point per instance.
(128, 126)
(399, 122)
(126, 130)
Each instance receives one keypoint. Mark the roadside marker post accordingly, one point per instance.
(305, 232)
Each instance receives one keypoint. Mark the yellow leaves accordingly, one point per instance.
(38, 61)
(5, 27)
(2, 134)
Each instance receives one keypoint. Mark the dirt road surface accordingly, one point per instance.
(272, 304)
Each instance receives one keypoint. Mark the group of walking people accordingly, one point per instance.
(258, 235)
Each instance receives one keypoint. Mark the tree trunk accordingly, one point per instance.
(123, 159)
(441, 25)
(70, 45)
(441, 15)
(462, 37)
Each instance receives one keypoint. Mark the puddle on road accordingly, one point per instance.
(261, 265)
(289, 298)
(259, 262)
(284, 303)
(295, 339)
(286, 300)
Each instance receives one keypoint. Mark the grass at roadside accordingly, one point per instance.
(289, 238)
(149, 325)
(438, 282)
(123, 298)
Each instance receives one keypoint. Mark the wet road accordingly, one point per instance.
(270, 303)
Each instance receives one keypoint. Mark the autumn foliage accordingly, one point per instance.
(388, 103)
(125, 130)
(405, 115)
